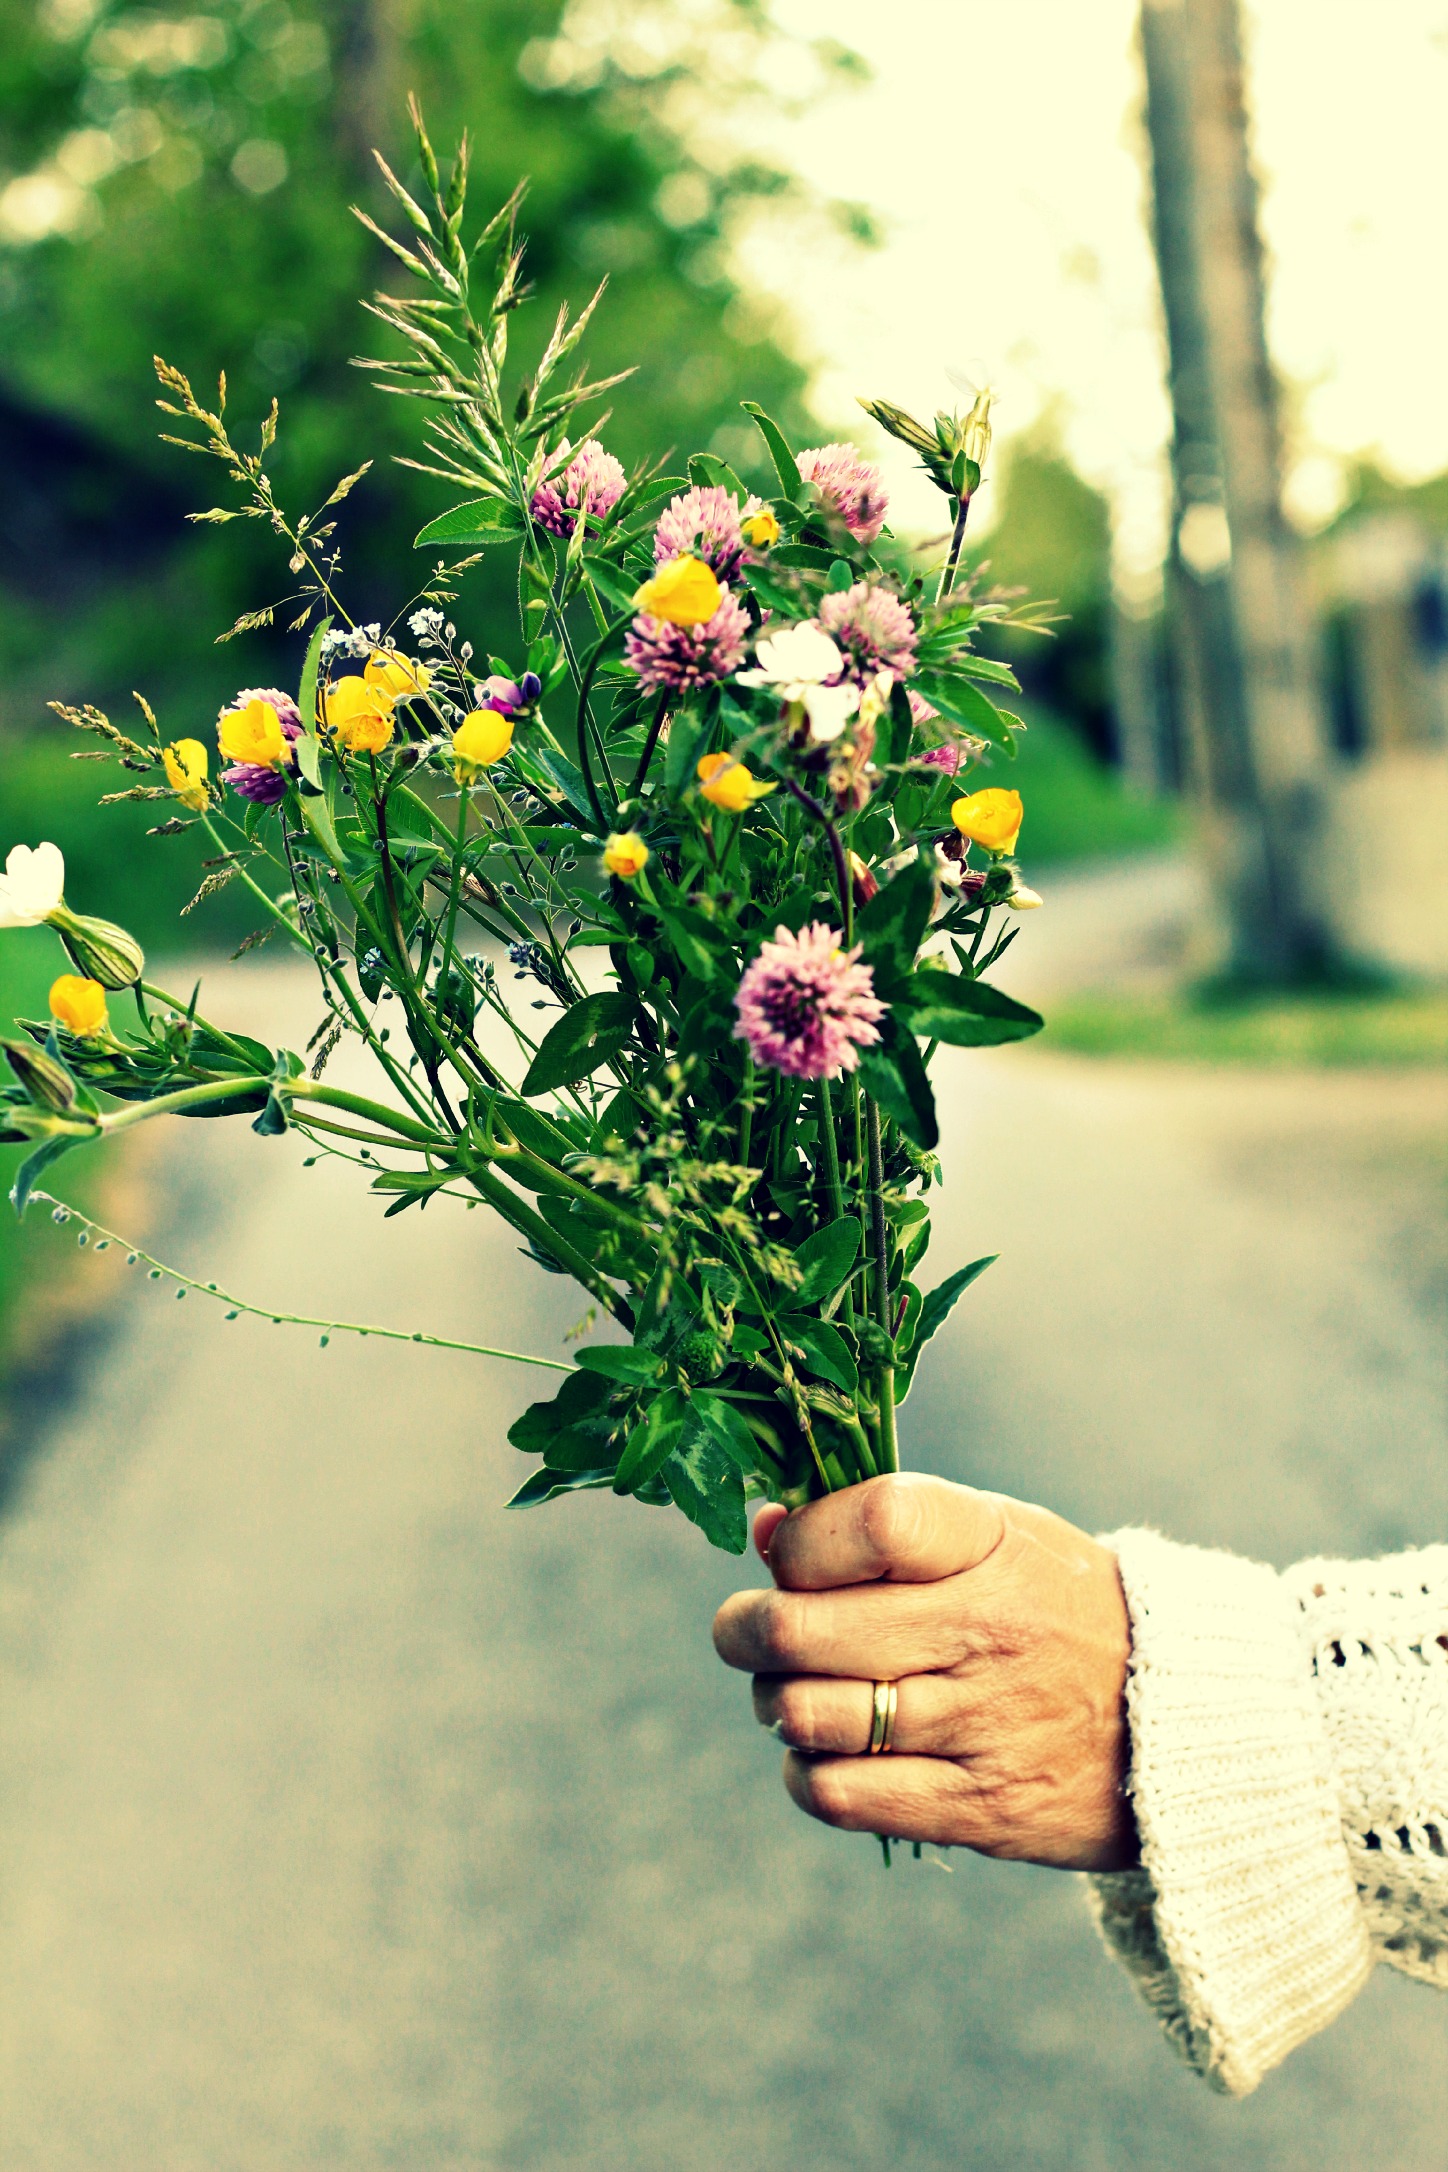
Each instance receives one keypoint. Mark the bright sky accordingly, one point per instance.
(1000, 144)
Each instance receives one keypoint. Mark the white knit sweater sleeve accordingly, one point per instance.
(1290, 1781)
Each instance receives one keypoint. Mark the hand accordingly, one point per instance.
(1007, 1632)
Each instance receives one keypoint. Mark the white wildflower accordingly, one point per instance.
(32, 885)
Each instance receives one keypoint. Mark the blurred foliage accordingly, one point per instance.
(1076, 807)
(1052, 537)
(1327, 1027)
(182, 183)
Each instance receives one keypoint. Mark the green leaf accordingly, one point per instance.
(652, 1441)
(892, 926)
(963, 703)
(307, 698)
(894, 1074)
(615, 582)
(707, 1484)
(826, 1351)
(708, 472)
(480, 521)
(621, 1361)
(546, 1485)
(896, 729)
(986, 667)
(686, 734)
(825, 1259)
(33, 1167)
(581, 1396)
(779, 452)
(933, 1314)
(966, 1013)
(938, 1303)
(416, 1187)
(729, 1429)
(585, 1037)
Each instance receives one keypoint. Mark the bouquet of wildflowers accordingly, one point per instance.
(652, 926)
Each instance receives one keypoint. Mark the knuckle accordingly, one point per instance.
(781, 1631)
(798, 1715)
(827, 1792)
(894, 1518)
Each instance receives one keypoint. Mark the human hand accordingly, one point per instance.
(1007, 1631)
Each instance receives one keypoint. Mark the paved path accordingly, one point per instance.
(346, 1821)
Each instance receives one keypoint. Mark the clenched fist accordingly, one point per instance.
(1007, 1632)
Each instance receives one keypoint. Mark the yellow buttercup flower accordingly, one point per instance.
(480, 740)
(684, 592)
(625, 854)
(991, 818)
(397, 675)
(79, 1005)
(760, 530)
(186, 763)
(253, 734)
(727, 783)
(358, 715)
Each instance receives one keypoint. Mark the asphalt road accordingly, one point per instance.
(348, 1821)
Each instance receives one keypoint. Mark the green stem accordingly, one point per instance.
(649, 744)
(889, 1444)
(834, 1179)
(952, 563)
(294, 1319)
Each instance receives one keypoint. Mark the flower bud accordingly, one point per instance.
(78, 1005)
(862, 880)
(98, 948)
(625, 855)
(45, 1079)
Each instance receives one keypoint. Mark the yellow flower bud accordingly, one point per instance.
(625, 854)
(991, 818)
(253, 734)
(358, 716)
(186, 763)
(685, 592)
(727, 783)
(79, 1005)
(480, 740)
(760, 530)
(397, 675)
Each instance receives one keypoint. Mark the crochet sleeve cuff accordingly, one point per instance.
(1242, 1928)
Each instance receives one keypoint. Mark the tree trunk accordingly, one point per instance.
(1254, 727)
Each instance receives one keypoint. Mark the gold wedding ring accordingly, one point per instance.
(882, 1725)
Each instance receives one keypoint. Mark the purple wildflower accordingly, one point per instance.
(922, 711)
(806, 1007)
(872, 629)
(704, 524)
(851, 487)
(946, 758)
(508, 695)
(678, 658)
(593, 479)
(254, 780)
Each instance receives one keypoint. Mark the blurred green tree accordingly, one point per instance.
(1052, 537)
(181, 182)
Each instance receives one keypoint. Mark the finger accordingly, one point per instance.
(814, 1713)
(872, 1632)
(907, 1528)
(766, 1523)
(907, 1798)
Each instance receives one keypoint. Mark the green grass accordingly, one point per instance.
(1077, 808)
(1320, 1028)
